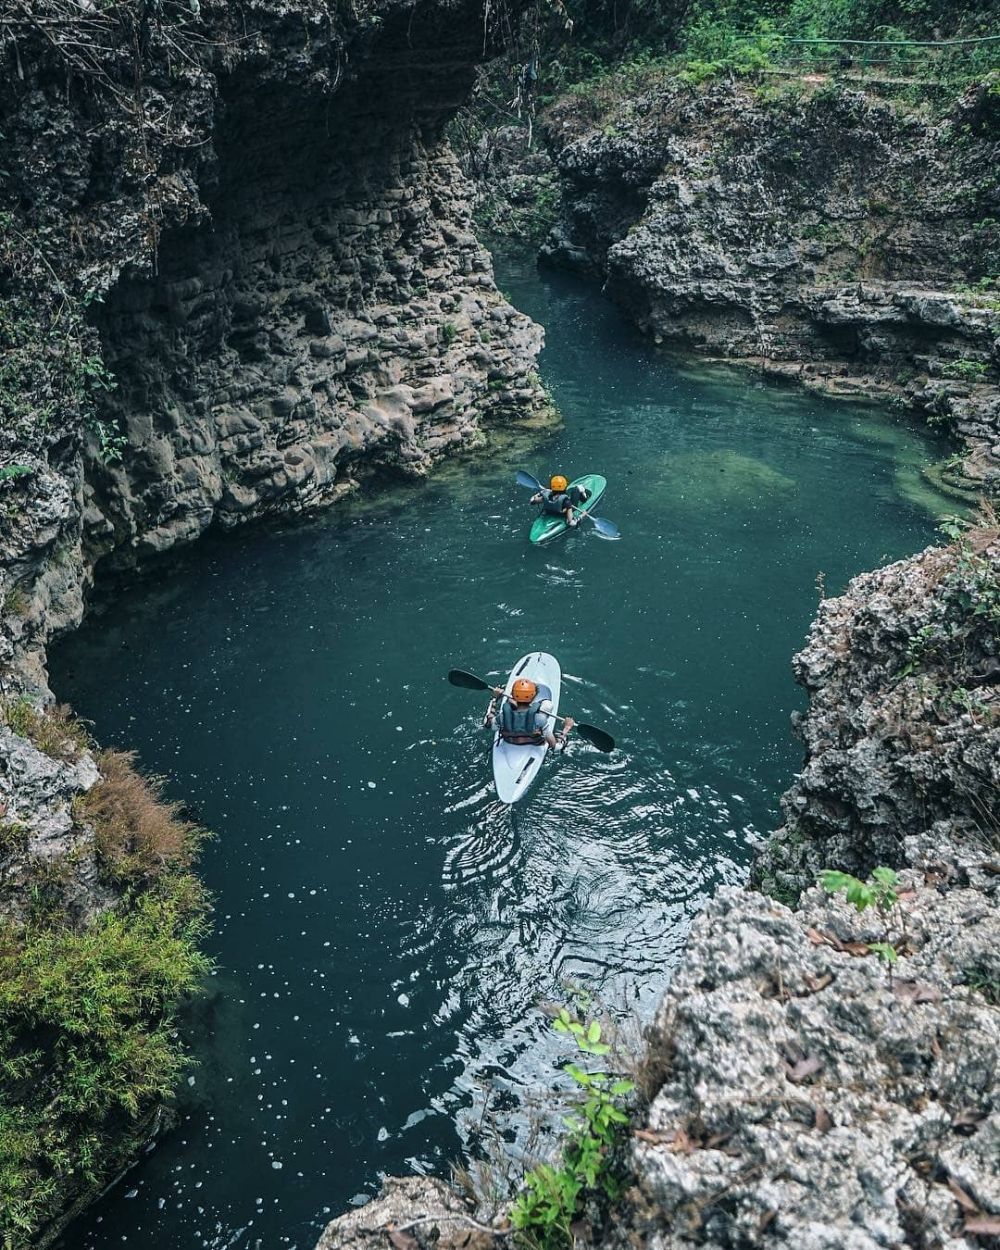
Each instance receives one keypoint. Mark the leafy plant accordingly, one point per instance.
(111, 442)
(965, 370)
(553, 1196)
(982, 978)
(881, 892)
(88, 1042)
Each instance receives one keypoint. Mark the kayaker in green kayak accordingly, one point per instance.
(524, 716)
(561, 499)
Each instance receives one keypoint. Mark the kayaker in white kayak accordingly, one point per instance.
(524, 716)
(561, 499)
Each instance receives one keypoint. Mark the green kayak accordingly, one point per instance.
(546, 527)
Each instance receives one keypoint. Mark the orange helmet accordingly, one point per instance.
(558, 482)
(523, 690)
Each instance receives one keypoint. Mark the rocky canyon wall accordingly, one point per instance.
(810, 227)
(256, 270)
(237, 278)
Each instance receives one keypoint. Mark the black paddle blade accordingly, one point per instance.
(596, 737)
(525, 479)
(468, 681)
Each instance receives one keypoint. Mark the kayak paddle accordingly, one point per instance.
(596, 737)
(606, 528)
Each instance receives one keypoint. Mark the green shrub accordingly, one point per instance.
(553, 1196)
(964, 370)
(88, 1043)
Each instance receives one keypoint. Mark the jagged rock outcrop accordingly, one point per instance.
(823, 233)
(902, 735)
(426, 1213)
(810, 1100)
(240, 276)
(41, 838)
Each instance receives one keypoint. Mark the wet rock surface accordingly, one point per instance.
(418, 1211)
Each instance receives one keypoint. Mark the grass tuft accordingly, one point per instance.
(54, 730)
(137, 834)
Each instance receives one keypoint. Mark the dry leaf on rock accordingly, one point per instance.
(916, 992)
(401, 1240)
(968, 1119)
(824, 1120)
(962, 1198)
(804, 1069)
(983, 1226)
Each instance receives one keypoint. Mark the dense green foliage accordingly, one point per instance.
(584, 39)
(87, 1042)
(589, 1165)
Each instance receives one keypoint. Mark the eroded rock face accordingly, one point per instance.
(335, 319)
(425, 1210)
(810, 1101)
(830, 237)
(43, 845)
(270, 244)
(902, 735)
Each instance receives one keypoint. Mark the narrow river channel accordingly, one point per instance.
(384, 929)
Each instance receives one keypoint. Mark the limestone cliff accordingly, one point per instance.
(239, 272)
(814, 229)
(812, 1098)
(237, 277)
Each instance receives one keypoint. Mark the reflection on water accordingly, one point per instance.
(385, 930)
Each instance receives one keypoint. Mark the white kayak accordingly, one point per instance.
(515, 765)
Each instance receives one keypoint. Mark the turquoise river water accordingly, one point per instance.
(384, 929)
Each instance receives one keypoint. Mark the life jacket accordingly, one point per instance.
(518, 724)
(555, 505)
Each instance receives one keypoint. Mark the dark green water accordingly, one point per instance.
(384, 928)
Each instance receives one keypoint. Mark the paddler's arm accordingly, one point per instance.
(489, 720)
(568, 724)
